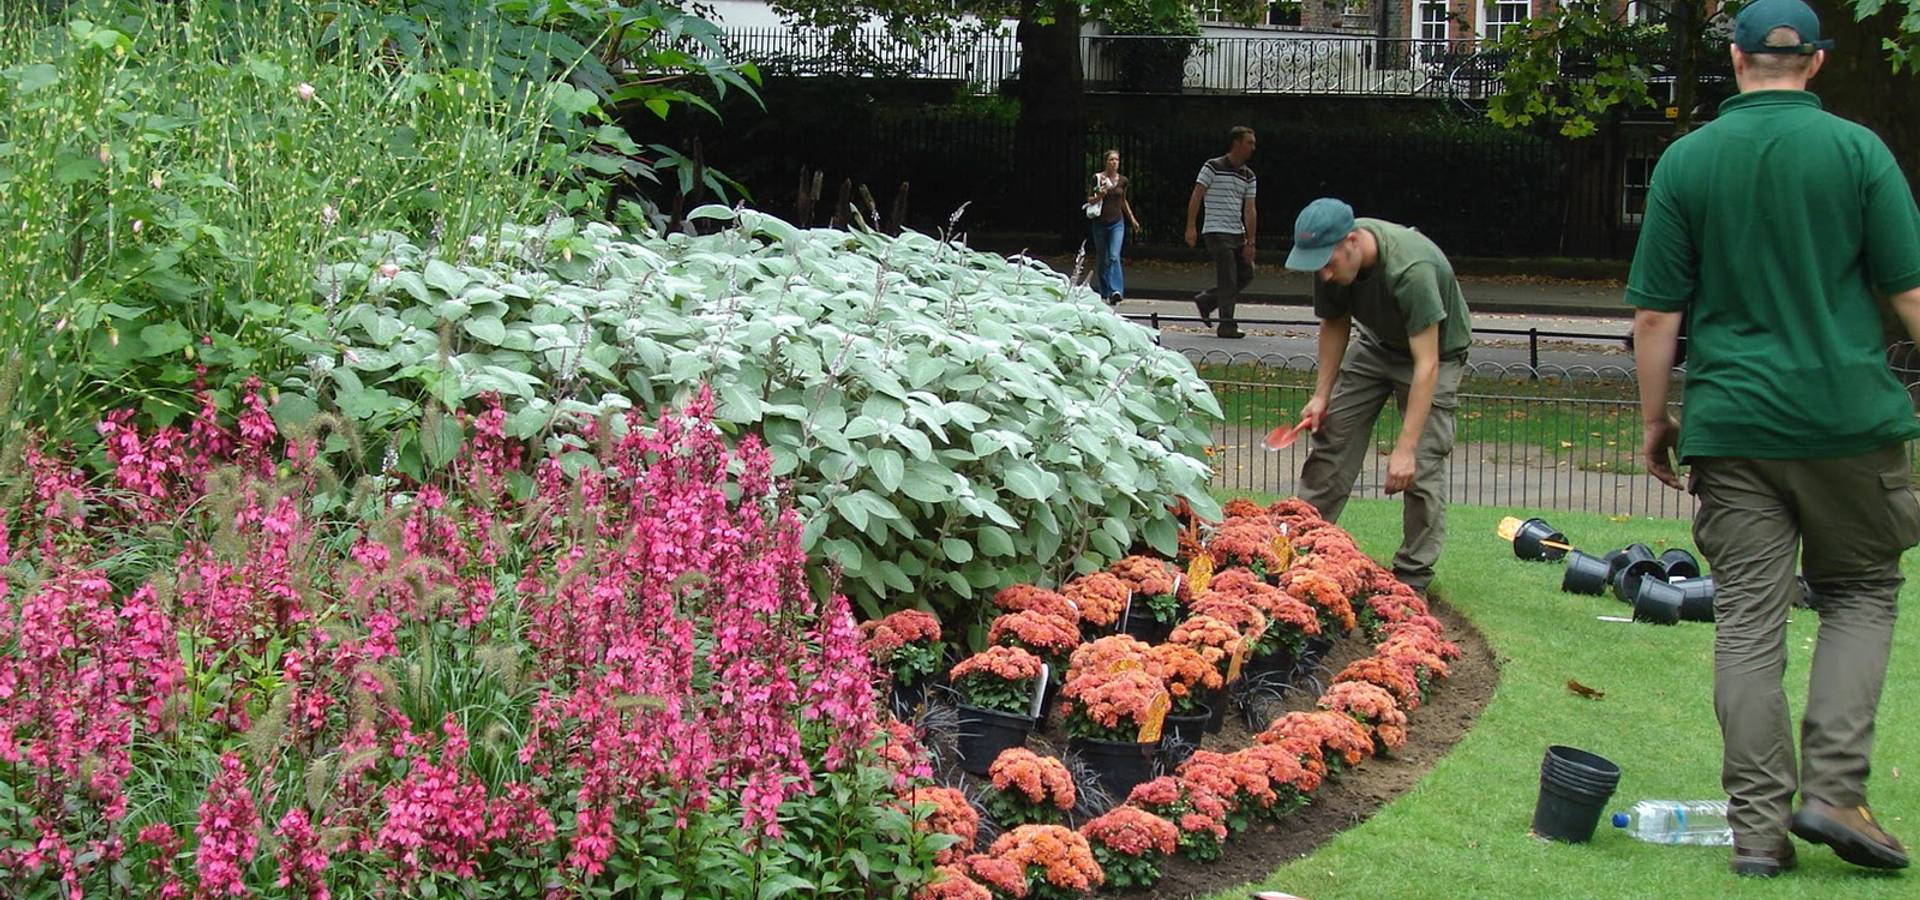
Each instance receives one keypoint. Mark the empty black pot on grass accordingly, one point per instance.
(1531, 541)
(1658, 602)
(1636, 563)
(1680, 563)
(1574, 788)
(1585, 574)
(1696, 598)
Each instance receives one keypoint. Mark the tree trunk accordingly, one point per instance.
(1859, 83)
(1052, 125)
(1686, 82)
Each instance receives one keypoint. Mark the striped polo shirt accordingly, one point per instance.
(1227, 188)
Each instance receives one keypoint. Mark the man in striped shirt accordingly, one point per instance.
(1225, 189)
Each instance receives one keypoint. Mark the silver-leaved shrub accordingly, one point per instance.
(950, 421)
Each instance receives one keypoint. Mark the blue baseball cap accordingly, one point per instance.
(1319, 228)
(1756, 20)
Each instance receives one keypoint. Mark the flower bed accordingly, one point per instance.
(1266, 599)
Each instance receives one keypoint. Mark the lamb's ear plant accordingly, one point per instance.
(952, 422)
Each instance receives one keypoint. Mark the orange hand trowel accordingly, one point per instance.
(1283, 437)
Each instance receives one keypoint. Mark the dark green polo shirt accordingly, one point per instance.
(1410, 287)
(1772, 226)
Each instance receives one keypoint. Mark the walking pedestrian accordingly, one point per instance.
(1770, 230)
(1391, 291)
(1110, 227)
(1225, 189)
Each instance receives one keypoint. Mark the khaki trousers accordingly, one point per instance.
(1848, 519)
(1369, 375)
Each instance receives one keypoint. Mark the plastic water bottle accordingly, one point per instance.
(1678, 822)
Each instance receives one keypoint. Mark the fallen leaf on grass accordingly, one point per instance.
(1584, 691)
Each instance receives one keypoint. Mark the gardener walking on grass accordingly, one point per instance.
(1771, 229)
(1412, 345)
(1225, 190)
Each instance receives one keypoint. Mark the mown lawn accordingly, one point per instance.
(1463, 830)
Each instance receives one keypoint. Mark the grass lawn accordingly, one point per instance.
(1463, 830)
(1590, 425)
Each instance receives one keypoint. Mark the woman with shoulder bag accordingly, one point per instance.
(1107, 206)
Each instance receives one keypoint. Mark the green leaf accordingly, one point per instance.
(486, 329)
(888, 467)
(164, 338)
(993, 541)
(957, 550)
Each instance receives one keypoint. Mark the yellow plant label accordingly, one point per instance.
(1123, 665)
(1283, 549)
(1200, 574)
(1156, 718)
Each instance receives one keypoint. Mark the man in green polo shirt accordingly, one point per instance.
(1772, 230)
(1398, 289)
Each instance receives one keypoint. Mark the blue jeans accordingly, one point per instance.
(1107, 238)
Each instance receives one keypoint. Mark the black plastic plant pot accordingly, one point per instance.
(984, 733)
(1217, 703)
(1585, 574)
(1680, 563)
(1658, 602)
(1146, 629)
(1626, 581)
(1183, 734)
(1119, 766)
(1631, 553)
(1574, 788)
(1528, 541)
(1696, 598)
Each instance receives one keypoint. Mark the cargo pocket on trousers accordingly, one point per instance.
(1906, 507)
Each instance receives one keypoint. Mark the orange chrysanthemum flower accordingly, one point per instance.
(1187, 674)
(1146, 575)
(1029, 598)
(1101, 597)
(951, 882)
(1103, 654)
(1049, 636)
(1110, 706)
(1058, 856)
(1373, 707)
(1395, 678)
(1131, 831)
(1040, 780)
(1340, 737)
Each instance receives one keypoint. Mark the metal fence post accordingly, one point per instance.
(1533, 353)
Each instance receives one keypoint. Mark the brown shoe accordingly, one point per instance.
(1763, 863)
(1851, 832)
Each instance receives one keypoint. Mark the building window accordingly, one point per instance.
(1283, 12)
(1432, 26)
(1499, 15)
(1640, 11)
(1354, 9)
(1210, 10)
(1634, 181)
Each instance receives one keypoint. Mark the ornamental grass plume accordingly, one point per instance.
(1111, 705)
(944, 810)
(1344, 743)
(1398, 679)
(1028, 788)
(1027, 597)
(1372, 706)
(1189, 677)
(1130, 843)
(951, 882)
(1057, 861)
(1199, 814)
(997, 678)
(1102, 654)
(1100, 597)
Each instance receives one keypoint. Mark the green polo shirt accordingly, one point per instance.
(1772, 226)
(1410, 287)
